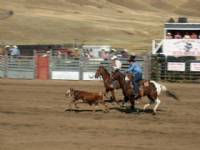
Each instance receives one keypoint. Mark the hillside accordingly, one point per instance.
(131, 24)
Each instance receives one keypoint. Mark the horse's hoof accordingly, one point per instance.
(107, 111)
(137, 110)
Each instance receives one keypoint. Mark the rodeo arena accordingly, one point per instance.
(64, 96)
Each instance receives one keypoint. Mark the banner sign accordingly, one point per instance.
(181, 47)
(175, 66)
(65, 75)
(89, 76)
(195, 67)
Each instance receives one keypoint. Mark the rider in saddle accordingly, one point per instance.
(116, 65)
(136, 70)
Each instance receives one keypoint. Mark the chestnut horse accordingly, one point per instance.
(108, 83)
(151, 89)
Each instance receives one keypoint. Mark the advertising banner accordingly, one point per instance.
(195, 67)
(175, 66)
(89, 76)
(181, 47)
(65, 75)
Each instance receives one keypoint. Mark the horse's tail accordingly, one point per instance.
(168, 93)
(161, 87)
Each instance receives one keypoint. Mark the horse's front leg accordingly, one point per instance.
(106, 93)
(125, 102)
(132, 104)
(113, 96)
(132, 100)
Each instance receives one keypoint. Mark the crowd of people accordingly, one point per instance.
(186, 35)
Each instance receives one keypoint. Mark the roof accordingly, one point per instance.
(183, 26)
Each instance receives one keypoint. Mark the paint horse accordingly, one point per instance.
(151, 89)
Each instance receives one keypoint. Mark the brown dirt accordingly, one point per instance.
(33, 117)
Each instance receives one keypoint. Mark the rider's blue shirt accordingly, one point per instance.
(134, 68)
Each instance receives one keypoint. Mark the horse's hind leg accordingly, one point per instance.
(157, 102)
(145, 106)
(150, 103)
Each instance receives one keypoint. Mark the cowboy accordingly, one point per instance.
(136, 70)
(116, 63)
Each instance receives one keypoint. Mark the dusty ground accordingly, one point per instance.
(33, 117)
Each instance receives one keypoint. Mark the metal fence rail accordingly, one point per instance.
(64, 68)
(20, 68)
(2, 66)
(160, 70)
(154, 67)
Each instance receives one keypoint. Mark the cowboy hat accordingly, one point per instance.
(7, 46)
(131, 58)
(114, 57)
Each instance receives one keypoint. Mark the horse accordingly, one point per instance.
(108, 83)
(126, 86)
(151, 89)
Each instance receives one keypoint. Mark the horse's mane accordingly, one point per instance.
(105, 70)
(120, 73)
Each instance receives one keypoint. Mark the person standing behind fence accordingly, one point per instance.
(14, 51)
(116, 63)
(136, 70)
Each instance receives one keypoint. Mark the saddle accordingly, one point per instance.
(143, 84)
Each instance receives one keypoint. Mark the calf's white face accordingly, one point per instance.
(68, 93)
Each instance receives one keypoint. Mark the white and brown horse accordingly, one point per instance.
(151, 89)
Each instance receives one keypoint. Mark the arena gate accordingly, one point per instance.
(181, 69)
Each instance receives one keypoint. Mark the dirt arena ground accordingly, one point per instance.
(33, 117)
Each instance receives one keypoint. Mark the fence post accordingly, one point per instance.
(5, 66)
(147, 67)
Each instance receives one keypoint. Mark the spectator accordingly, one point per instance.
(59, 55)
(125, 53)
(169, 36)
(177, 36)
(187, 36)
(14, 51)
(116, 63)
(7, 50)
(194, 35)
(104, 55)
(91, 53)
(88, 53)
